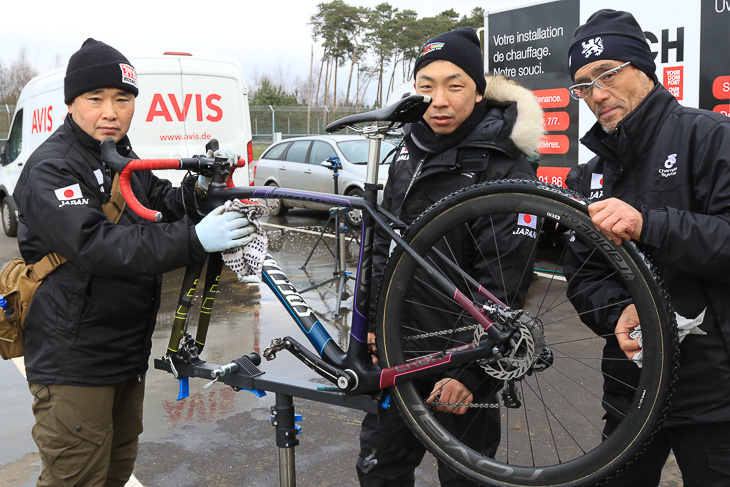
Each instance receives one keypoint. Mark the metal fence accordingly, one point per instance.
(292, 121)
(6, 117)
(266, 121)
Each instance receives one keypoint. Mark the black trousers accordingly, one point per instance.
(702, 452)
(389, 453)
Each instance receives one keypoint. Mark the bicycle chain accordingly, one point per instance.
(439, 333)
(464, 405)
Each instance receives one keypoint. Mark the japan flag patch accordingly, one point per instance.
(526, 220)
(526, 225)
(67, 193)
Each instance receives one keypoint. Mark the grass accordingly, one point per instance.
(258, 149)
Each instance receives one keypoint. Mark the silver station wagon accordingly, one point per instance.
(297, 163)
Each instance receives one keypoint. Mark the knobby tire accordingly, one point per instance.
(555, 437)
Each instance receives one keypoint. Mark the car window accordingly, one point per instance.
(321, 151)
(298, 151)
(356, 151)
(275, 152)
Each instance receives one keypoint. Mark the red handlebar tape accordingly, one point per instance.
(143, 165)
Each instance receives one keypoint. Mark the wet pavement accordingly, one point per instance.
(219, 437)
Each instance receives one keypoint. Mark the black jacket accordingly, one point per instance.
(673, 164)
(487, 153)
(91, 321)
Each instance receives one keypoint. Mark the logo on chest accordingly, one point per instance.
(670, 167)
(403, 156)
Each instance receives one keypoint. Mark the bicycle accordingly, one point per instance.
(545, 362)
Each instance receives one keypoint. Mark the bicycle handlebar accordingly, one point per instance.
(126, 166)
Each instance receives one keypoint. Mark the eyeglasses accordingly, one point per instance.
(604, 81)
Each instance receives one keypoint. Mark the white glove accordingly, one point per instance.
(223, 230)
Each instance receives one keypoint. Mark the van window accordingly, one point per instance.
(15, 140)
(321, 151)
(298, 151)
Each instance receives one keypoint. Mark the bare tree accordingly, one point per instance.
(15, 77)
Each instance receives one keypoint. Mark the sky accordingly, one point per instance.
(267, 37)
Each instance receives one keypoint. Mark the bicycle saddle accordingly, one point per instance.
(408, 110)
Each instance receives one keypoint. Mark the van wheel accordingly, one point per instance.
(10, 222)
(276, 206)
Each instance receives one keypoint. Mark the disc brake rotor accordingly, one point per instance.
(525, 349)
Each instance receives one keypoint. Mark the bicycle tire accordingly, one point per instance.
(556, 437)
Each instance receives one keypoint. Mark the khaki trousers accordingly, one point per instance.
(87, 436)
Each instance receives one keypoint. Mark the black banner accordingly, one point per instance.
(715, 56)
(530, 45)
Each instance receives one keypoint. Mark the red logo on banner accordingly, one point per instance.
(554, 144)
(721, 87)
(555, 121)
(674, 81)
(556, 98)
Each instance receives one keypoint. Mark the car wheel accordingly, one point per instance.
(354, 217)
(10, 221)
(276, 206)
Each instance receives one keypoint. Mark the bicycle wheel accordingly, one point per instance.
(549, 390)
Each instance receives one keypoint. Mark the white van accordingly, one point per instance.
(184, 101)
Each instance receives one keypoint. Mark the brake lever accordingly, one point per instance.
(111, 157)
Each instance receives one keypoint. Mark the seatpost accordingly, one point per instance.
(375, 136)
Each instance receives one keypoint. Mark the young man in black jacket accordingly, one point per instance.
(88, 333)
(475, 130)
(664, 173)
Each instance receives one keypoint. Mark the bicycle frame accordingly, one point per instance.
(368, 378)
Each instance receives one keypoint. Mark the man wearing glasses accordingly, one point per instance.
(663, 171)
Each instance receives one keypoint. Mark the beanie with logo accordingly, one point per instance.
(614, 35)
(97, 65)
(461, 47)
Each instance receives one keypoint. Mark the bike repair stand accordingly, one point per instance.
(243, 374)
(340, 253)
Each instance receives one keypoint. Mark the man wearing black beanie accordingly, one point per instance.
(475, 130)
(665, 171)
(88, 333)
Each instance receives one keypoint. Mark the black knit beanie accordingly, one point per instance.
(97, 65)
(461, 47)
(614, 35)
